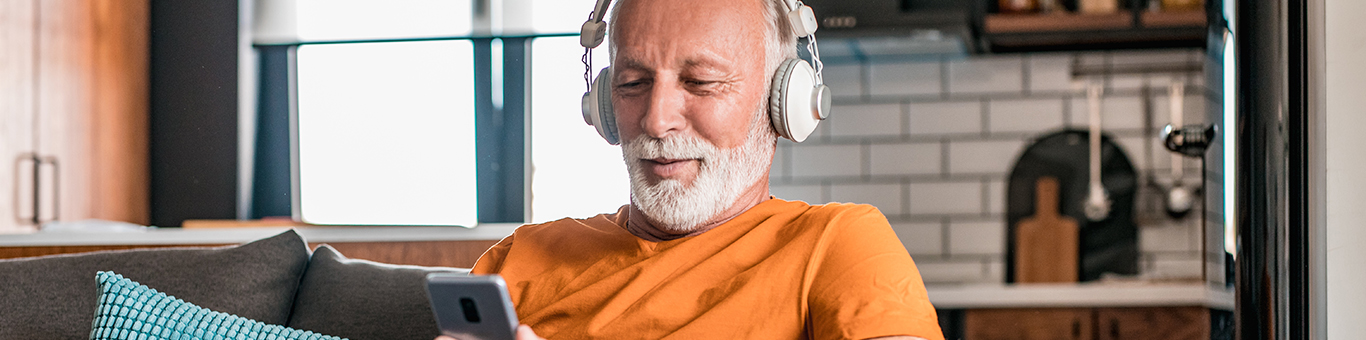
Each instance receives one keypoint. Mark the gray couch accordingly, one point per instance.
(273, 280)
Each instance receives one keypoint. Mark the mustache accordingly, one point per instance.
(680, 147)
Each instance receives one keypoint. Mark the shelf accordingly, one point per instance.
(1172, 19)
(1132, 27)
(1062, 22)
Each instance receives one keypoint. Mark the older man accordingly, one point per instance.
(703, 251)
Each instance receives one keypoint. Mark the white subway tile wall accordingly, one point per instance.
(867, 120)
(977, 238)
(1050, 72)
(906, 159)
(954, 271)
(827, 160)
(1029, 115)
(983, 157)
(844, 80)
(996, 197)
(931, 144)
(923, 239)
(884, 196)
(904, 79)
(947, 198)
(1169, 237)
(1118, 112)
(945, 118)
(809, 193)
(993, 74)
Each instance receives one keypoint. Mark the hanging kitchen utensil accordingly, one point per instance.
(1018, 6)
(1098, 6)
(1097, 200)
(1107, 246)
(1047, 243)
(1180, 196)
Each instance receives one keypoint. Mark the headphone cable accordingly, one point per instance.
(588, 61)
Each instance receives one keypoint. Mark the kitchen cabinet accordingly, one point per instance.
(73, 112)
(1028, 324)
(1138, 323)
(1152, 323)
(16, 109)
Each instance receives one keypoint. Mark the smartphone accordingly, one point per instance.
(472, 307)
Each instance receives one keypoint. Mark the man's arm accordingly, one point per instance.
(896, 337)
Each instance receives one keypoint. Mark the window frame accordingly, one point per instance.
(502, 133)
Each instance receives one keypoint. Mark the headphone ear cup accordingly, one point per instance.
(597, 107)
(777, 97)
(794, 99)
(608, 126)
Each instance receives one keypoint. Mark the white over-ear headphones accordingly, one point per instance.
(798, 99)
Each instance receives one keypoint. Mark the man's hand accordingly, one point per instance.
(523, 333)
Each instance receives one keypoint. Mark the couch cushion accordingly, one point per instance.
(51, 297)
(129, 310)
(361, 299)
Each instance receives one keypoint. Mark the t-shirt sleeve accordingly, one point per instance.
(492, 260)
(866, 284)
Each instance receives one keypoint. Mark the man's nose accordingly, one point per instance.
(664, 115)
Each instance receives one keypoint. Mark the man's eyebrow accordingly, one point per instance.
(701, 62)
(705, 58)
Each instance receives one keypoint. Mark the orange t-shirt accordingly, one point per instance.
(781, 270)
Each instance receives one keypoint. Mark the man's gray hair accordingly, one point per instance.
(780, 43)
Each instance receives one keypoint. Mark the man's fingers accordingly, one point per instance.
(524, 332)
(443, 337)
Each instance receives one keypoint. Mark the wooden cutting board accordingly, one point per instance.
(1046, 244)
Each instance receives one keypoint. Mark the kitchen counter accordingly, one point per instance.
(1126, 294)
(177, 236)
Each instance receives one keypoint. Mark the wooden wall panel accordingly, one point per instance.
(120, 128)
(65, 68)
(18, 252)
(16, 105)
(460, 254)
(91, 97)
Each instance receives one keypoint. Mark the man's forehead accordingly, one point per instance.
(701, 57)
(687, 18)
(691, 33)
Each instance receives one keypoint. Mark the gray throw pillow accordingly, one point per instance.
(360, 299)
(53, 297)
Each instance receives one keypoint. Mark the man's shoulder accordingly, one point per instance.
(832, 210)
(603, 221)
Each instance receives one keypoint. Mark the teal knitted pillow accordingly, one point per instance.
(129, 310)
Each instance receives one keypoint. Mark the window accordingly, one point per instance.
(386, 133)
(396, 104)
(575, 173)
(386, 130)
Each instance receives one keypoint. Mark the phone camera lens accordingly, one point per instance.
(471, 311)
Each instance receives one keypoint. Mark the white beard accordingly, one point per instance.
(723, 175)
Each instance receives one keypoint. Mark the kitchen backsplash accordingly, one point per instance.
(931, 143)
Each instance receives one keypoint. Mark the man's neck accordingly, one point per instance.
(640, 225)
